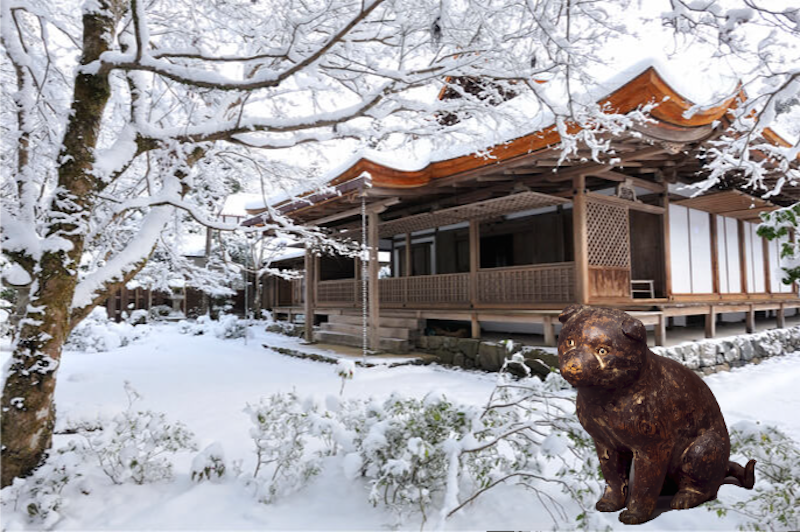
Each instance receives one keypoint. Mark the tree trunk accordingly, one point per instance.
(28, 409)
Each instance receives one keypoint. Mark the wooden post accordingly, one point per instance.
(476, 326)
(750, 321)
(767, 273)
(714, 261)
(308, 299)
(374, 267)
(661, 330)
(580, 231)
(742, 256)
(667, 254)
(474, 263)
(408, 255)
(549, 331)
(711, 323)
(780, 316)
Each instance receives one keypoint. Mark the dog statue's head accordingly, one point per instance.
(600, 347)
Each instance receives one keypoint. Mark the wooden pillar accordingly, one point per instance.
(750, 320)
(714, 260)
(407, 255)
(374, 266)
(549, 331)
(711, 323)
(580, 231)
(767, 273)
(475, 325)
(742, 256)
(474, 261)
(780, 316)
(661, 330)
(667, 252)
(308, 296)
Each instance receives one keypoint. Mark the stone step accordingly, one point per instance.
(356, 319)
(392, 345)
(384, 332)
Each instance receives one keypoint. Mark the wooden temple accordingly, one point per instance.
(516, 237)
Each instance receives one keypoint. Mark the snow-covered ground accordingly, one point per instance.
(206, 382)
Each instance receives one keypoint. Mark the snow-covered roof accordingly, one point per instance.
(236, 204)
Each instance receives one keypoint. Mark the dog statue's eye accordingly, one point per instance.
(602, 351)
(571, 343)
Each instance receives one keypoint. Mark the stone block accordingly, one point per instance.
(435, 342)
(723, 367)
(445, 356)
(708, 354)
(422, 342)
(730, 351)
(691, 356)
(459, 360)
(469, 347)
(491, 356)
(746, 349)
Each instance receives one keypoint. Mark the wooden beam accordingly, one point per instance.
(593, 168)
(581, 244)
(750, 320)
(308, 296)
(382, 205)
(374, 267)
(767, 273)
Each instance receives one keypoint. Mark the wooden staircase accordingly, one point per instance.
(397, 334)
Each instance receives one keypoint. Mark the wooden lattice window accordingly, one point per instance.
(608, 234)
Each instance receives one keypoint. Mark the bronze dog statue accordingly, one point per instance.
(644, 409)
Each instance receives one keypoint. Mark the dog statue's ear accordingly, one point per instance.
(634, 329)
(570, 311)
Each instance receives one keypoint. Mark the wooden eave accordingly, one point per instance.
(730, 203)
(671, 130)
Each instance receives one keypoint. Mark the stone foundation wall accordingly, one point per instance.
(704, 357)
(470, 353)
(709, 356)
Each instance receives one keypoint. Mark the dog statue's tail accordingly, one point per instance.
(745, 476)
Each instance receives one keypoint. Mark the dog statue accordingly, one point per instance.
(644, 409)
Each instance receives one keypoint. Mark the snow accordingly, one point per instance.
(206, 382)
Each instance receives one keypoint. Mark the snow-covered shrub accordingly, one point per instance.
(159, 312)
(133, 448)
(403, 445)
(775, 500)
(227, 327)
(209, 464)
(96, 333)
(37, 500)
(281, 430)
(345, 369)
(286, 328)
(137, 317)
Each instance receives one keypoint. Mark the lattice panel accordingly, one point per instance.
(529, 285)
(608, 233)
(431, 289)
(392, 290)
(342, 291)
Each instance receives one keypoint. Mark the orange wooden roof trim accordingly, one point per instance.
(645, 88)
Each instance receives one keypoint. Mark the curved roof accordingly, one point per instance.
(647, 87)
